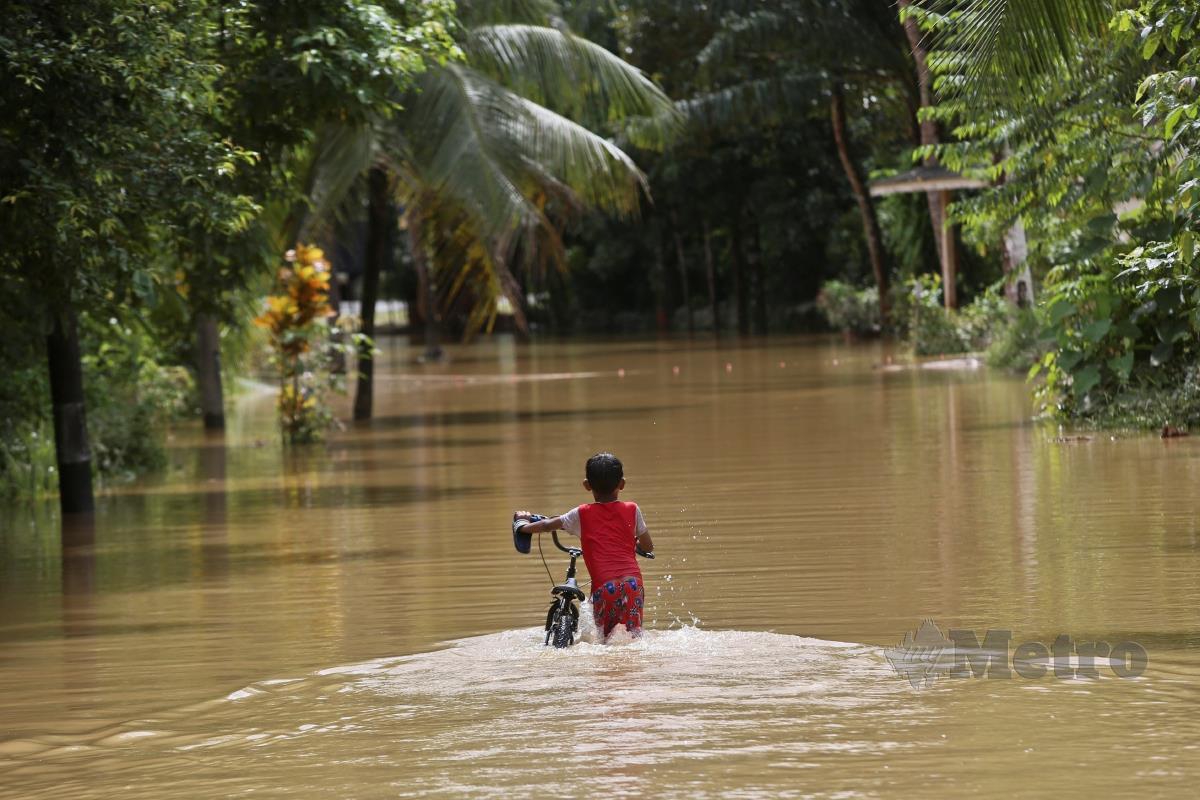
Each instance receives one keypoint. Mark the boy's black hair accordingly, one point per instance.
(604, 471)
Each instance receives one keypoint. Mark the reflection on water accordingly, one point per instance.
(276, 624)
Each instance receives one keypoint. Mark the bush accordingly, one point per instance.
(932, 329)
(1125, 341)
(306, 348)
(1019, 344)
(848, 309)
(131, 396)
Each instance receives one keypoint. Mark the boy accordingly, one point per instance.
(610, 532)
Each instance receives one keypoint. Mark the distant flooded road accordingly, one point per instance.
(351, 620)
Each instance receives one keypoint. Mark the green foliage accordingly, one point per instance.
(1019, 344)
(132, 393)
(131, 396)
(1096, 150)
(1132, 328)
(149, 153)
(932, 329)
(850, 309)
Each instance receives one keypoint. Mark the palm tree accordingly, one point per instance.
(490, 156)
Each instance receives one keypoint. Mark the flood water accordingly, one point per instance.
(351, 620)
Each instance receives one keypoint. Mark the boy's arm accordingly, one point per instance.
(645, 543)
(548, 524)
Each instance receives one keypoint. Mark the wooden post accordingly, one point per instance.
(949, 256)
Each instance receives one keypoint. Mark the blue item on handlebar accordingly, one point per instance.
(521, 540)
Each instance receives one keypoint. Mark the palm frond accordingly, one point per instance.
(341, 154)
(454, 144)
(996, 46)
(588, 164)
(569, 75)
(486, 148)
(756, 102)
(758, 32)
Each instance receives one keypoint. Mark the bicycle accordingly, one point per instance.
(562, 620)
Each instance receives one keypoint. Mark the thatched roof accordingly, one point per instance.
(924, 179)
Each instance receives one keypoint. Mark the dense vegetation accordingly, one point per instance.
(587, 167)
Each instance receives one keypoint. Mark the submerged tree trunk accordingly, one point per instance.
(943, 233)
(683, 274)
(866, 208)
(710, 275)
(70, 425)
(426, 295)
(739, 276)
(208, 371)
(378, 218)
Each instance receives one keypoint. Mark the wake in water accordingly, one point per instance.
(504, 715)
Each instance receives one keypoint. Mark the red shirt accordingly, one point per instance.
(606, 532)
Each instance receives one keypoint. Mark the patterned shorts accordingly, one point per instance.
(618, 602)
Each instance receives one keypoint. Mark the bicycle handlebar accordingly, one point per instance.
(558, 544)
(522, 540)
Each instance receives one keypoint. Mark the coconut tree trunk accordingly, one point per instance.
(710, 275)
(208, 371)
(866, 208)
(70, 424)
(425, 291)
(739, 276)
(683, 274)
(378, 217)
(937, 200)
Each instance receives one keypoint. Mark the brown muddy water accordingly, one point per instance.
(351, 620)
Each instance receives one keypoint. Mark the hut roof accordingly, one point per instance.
(924, 179)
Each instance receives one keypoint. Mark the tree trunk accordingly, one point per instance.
(208, 371)
(378, 217)
(683, 274)
(739, 276)
(70, 425)
(937, 200)
(760, 280)
(425, 290)
(510, 286)
(866, 208)
(710, 276)
(661, 322)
